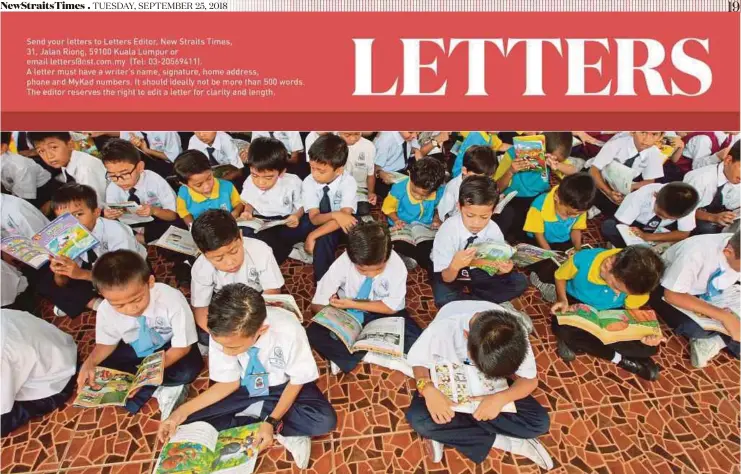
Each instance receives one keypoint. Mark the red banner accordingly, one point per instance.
(370, 71)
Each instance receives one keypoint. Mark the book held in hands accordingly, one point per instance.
(178, 240)
(631, 238)
(286, 302)
(462, 383)
(413, 234)
(114, 387)
(384, 335)
(610, 326)
(493, 257)
(531, 149)
(257, 224)
(64, 236)
(729, 300)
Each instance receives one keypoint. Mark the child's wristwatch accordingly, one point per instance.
(421, 384)
(276, 424)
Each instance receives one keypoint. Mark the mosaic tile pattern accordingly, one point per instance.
(603, 420)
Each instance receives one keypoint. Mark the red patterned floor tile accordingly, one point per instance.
(395, 453)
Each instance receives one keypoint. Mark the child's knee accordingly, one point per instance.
(420, 420)
(324, 421)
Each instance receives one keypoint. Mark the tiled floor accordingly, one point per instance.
(603, 420)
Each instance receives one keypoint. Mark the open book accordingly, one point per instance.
(619, 177)
(531, 149)
(64, 236)
(413, 234)
(113, 386)
(561, 256)
(461, 382)
(504, 201)
(526, 254)
(84, 143)
(385, 335)
(129, 217)
(492, 257)
(614, 325)
(258, 224)
(226, 172)
(199, 448)
(396, 177)
(631, 238)
(178, 240)
(287, 302)
(728, 299)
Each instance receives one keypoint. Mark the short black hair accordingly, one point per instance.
(214, 229)
(577, 191)
(555, 141)
(119, 150)
(189, 163)
(369, 243)
(478, 191)
(119, 268)
(735, 243)
(480, 159)
(639, 268)
(677, 199)
(5, 137)
(236, 309)
(329, 149)
(734, 152)
(497, 343)
(73, 192)
(427, 173)
(36, 137)
(267, 153)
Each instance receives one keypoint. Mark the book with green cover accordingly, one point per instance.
(532, 149)
(610, 326)
(493, 257)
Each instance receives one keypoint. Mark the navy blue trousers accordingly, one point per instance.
(497, 288)
(281, 239)
(23, 411)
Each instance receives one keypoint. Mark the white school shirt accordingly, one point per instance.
(639, 206)
(449, 202)
(88, 170)
(390, 152)
(113, 235)
(225, 151)
(282, 199)
(22, 176)
(151, 189)
(709, 159)
(290, 140)
(649, 165)
(701, 146)
(452, 237)
(259, 271)
(343, 193)
(168, 313)
(691, 262)
(444, 340)
(165, 142)
(284, 351)
(706, 181)
(310, 139)
(19, 217)
(342, 278)
(361, 161)
(38, 359)
(12, 283)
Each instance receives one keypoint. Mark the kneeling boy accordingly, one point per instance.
(138, 318)
(262, 368)
(494, 341)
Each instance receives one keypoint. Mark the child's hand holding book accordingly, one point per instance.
(463, 259)
(490, 406)
(340, 303)
(112, 214)
(438, 404)
(264, 436)
(345, 221)
(65, 266)
(653, 340)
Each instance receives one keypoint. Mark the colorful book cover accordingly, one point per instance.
(610, 326)
(463, 384)
(526, 254)
(532, 149)
(493, 257)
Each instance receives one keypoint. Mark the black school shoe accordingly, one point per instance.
(644, 368)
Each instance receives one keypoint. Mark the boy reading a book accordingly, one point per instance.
(23, 177)
(656, 213)
(269, 193)
(369, 282)
(58, 152)
(361, 160)
(636, 151)
(138, 318)
(719, 187)
(38, 366)
(607, 279)
(295, 147)
(493, 340)
(227, 257)
(330, 200)
(487, 139)
(200, 190)
(130, 182)
(478, 160)
(261, 364)
(454, 249)
(517, 175)
(699, 269)
(67, 282)
(556, 218)
(413, 201)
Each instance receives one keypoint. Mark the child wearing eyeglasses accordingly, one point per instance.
(130, 182)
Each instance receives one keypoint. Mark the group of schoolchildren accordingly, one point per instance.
(260, 357)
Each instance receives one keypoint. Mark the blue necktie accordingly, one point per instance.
(254, 366)
(363, 294)
(712, 290)
(148, 340)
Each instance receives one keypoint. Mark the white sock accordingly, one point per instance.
(617, 358)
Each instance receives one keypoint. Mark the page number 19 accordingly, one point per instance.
(734, 6)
